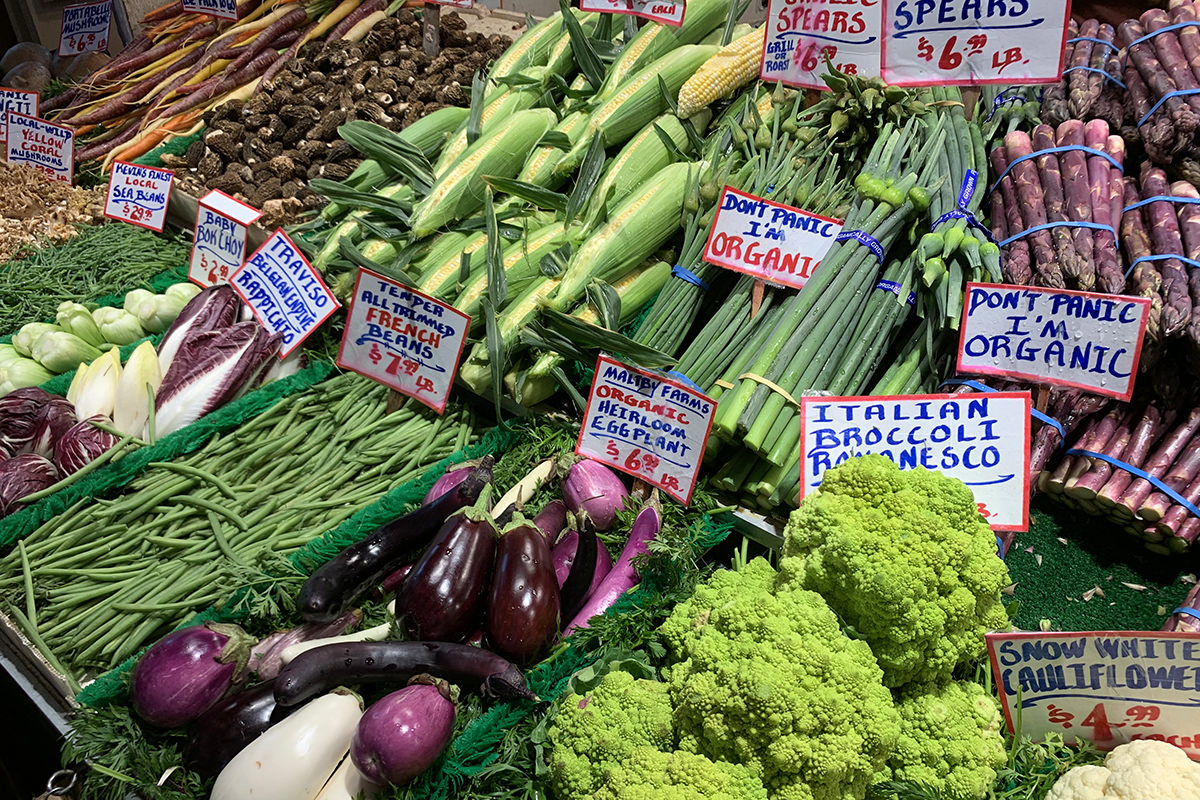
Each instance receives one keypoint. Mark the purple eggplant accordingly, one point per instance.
(523, 605)
(563, 556)
(593, 488)
(393, 581)
(183, 674)
(623, 576)
(316, 671)
(402, 734)
(573, 591)
(551, 520)
(336, 584)
(266, 657)
(220, 733)
(453, 477)
(442, 599)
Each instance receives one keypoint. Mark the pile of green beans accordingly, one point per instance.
(96, 583)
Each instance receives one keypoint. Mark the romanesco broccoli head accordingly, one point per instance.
(950, 739)
(597, 732)
(766, 678)
(650, 774)
(905, 560)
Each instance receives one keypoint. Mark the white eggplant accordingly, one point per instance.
(294, 759)
(348, 784)
(376, 634)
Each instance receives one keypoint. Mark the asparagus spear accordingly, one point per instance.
(1186, 622)
(1017, 267)
(1172, 126)
(1110, 276)
(1164, 234)
(1145, 280)
(1081, 56)
(1047, 271)
(1189, 230)
(1154, 424)
(1056, 207)
(1078, 199)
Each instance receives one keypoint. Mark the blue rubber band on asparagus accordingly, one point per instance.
(865, 239)
(1160, 198)
(1190, 262)
(684, 379)
(1117, 81)
(1061, 149)
(1188, 611)
(1097, 226)
(1132, 470)
(1163, 99)
(1148, 36)
(1113, 45)
(1033, 412)
(686, 274)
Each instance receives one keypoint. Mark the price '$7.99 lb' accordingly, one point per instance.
(646, 425)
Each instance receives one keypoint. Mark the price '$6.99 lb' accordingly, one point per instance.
(646, 425)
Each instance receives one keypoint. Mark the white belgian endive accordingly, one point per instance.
(136, 389)
(295, 758)
(94, 389)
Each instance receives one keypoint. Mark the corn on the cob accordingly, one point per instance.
(539, 168)
(459, 193)
(733, 67)
(636, 228)
(495, 111)
(532, 48)
(439, 269)
(637, 101)
(639, 287)
(654, 39)
(640, 159)
(476, 369)
(349, 227)
(521, 262)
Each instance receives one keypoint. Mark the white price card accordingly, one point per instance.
(647, 425)
(223, 9)
(219, 238)
(41, 145)
(668, 13)
(283, 290)
(84, 28)
(968, 43)
(981, 439)
(455, 3)
(18, 101)
(138, 195)
(403, 339)
(803, 36)
(773, 242)
(1104, 687)
(1055, 336)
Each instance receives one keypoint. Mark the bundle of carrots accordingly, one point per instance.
(184, 64)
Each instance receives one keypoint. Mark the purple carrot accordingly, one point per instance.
(228, 83)
(353, 18)
(96, 149)
(121, 103)
(293, 49)
(1159, 462)
(297, 16)
(1050, 173)
(1077, 190)
(1017, 267)
(1032, 204)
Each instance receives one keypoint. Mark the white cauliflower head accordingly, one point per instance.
(1145, 769)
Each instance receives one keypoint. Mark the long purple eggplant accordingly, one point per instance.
(442, 598)
(220, 733)
(336, 584)
(563, 556)
(523, 606)
(316, 671)
(623, 576)
(573, 590)
(551, 520)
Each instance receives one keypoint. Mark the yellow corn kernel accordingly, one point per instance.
(733, 67)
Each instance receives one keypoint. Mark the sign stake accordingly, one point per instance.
(431, 35)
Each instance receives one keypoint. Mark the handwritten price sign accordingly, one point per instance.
(285, 293)
(18, 102)
(138, 195)
(1055, 336)
(403, 339)
(983, 440)
(1105, 687)
(646, 425)
(224, 9)
(41, 145)
(668, 13)
(770, 241)
(802, 36)
(219, 240)
(84, 28)
(965, 43)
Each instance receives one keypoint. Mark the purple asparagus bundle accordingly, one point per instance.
(1159, 62)
(1166, 241)
(1189, 230)
(1145, 280)
(1032, 204)
(1188, 619)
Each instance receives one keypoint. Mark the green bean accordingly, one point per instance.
(30, 607)
(197, 473)
(206, 505)
(219, 537)
(36, 639)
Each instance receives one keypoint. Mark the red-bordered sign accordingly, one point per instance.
(41, 145)
(668, 13)
(138, 194)
(219, 238)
